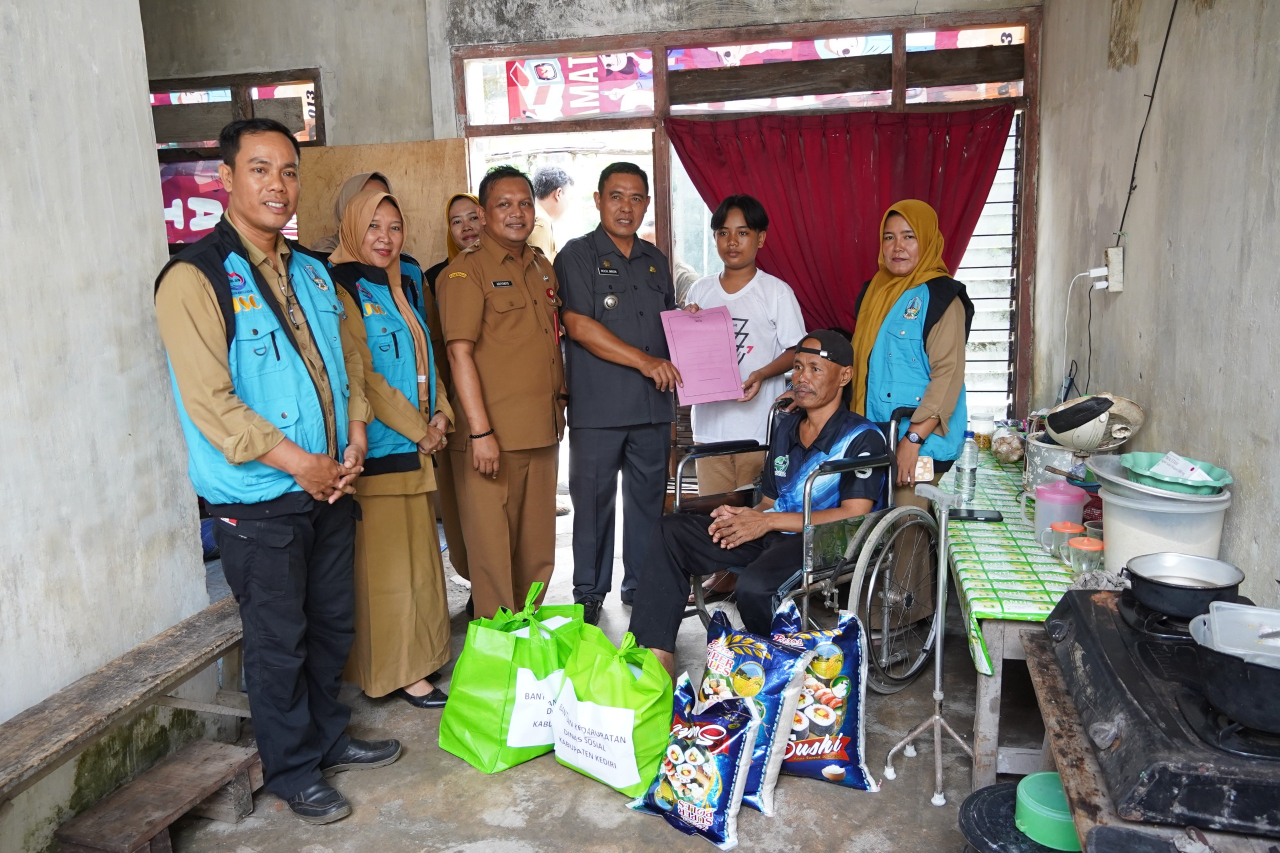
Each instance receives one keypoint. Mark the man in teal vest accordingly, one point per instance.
(273, 411)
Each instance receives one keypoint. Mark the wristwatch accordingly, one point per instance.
(914, 438)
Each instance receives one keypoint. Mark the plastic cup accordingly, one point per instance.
(1093, 530)
(1055, 537)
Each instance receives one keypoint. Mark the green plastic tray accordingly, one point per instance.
(1139, 466)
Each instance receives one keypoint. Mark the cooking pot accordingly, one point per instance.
(1248, 693)
(1182, 585)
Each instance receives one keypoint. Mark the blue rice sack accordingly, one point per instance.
(769, 675)
(704, 769)
(827, 738)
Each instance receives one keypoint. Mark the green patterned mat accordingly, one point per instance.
(999, 569)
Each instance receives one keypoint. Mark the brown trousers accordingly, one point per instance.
(446, 498)
(509, 523)
(720, 474)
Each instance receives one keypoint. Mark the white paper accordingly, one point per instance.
(532, 711)
(550, 624)
(1173, 465)
(596, 739)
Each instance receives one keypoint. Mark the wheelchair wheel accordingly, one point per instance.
(895, 580)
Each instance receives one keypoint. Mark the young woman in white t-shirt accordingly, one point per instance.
(767, 324)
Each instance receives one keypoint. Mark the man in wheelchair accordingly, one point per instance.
(761, 544)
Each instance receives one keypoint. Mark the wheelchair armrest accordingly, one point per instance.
(721, 448)
(902, 412)
(844, 466)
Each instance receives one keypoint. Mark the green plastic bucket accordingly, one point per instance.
(1042, 814)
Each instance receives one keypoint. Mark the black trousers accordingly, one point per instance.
(292, 576)
(681, 550)
(596, 456)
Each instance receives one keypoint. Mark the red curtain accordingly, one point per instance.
(826, 180)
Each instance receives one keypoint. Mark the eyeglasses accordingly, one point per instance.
(290, 300)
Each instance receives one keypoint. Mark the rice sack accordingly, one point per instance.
(769, 675)
(704, 768)
(827, 729)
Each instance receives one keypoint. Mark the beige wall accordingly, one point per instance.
(372, 55)
(1193, 336)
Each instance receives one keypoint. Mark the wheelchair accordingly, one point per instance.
(881, 565)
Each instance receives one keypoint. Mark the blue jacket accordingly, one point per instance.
(898, 371)
(267, 372)
(394, 356)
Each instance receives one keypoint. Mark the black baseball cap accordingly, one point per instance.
(835, 346)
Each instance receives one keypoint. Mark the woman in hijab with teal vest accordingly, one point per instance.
(402, 614)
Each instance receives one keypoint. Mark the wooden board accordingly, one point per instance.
(966, 65)
(145, 807)
(781, 79)
(423, 175)
(1082, 780)
(40, 738)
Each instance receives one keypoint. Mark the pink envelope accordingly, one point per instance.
(705, 351)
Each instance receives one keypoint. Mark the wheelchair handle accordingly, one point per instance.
(844, 466)
(715, 448)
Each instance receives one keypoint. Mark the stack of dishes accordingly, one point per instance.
(1141, 469)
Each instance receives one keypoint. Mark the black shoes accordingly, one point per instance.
(591, 611)
(320, 803)
(361, 755)
(435, 699)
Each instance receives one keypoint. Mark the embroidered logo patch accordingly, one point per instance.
(319, 282)
(245, 303)
(501, 283)
(780, 464)
(237, 282)
(913, 309)
(457, 275)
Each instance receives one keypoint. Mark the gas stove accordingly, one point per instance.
(1167, 755)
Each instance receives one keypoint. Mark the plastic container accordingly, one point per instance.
(1058, 501)
(1139, 467)
(983, 424)
(1142, 525)
(967, 469)
(1251, 633)
(1042, 812)
(1111, 473)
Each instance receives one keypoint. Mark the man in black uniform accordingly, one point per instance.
(614, 288)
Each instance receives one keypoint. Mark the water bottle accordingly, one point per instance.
(967, 468)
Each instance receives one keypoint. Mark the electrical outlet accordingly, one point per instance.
(1115, 269)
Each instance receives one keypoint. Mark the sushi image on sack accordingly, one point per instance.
(767, 674)
(704, 769)
(827, 737)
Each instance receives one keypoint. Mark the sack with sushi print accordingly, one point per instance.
(741, 665)
(699, 784)
(506, 683)
(614, 712)
(827, 738)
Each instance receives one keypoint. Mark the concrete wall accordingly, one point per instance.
(1193, 336)
(98, 530)
(372, 55)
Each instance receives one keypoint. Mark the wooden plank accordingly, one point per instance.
(229, 81)
(40, 738)
(899, 69)
(201, 707)
(1082, 780)
(962, 66)
(573, 125)
(986, 712)
(231, 803)
(142, 809)
(190, 122)
(287, 111)
(782, 79)
(1029, 194)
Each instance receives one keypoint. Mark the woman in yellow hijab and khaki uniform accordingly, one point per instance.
(909, 351)
(402, 615)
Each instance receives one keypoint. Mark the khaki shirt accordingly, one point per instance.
(543, 236)
(507, 306)
(394, 409)
(945, 347)
(195, 335)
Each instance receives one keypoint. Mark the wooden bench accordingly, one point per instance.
(207, 778)
(43, 737)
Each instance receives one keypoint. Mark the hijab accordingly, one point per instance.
(454, 248)
(352, 187)
(359, 213)
(886, 288)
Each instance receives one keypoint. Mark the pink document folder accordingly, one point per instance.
(705, 351)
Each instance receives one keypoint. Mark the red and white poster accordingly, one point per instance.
(563, 87)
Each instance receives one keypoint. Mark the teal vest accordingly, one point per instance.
(394, 356)
(267, 373)
(898, 373)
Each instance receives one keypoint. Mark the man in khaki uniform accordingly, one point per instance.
(498, 303)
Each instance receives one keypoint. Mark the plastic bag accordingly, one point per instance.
(769, 675)
(699, 784)
(1006, 445)
(827, 739)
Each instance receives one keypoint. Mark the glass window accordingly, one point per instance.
(735, 55)
(955, 39)
(221, 97)
(693, 245)
(553, 88)
(304, 91)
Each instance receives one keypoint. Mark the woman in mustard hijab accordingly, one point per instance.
(462, 215)
(402, 614)
(908, 345)
(351, 187)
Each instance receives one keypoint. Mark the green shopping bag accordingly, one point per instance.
(613, 717)
(505, 684)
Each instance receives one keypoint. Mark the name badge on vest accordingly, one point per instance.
(501, 283)
(606, 269)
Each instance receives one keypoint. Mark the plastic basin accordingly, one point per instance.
(1139, 465)
(1142, 525)
(1042, 813)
